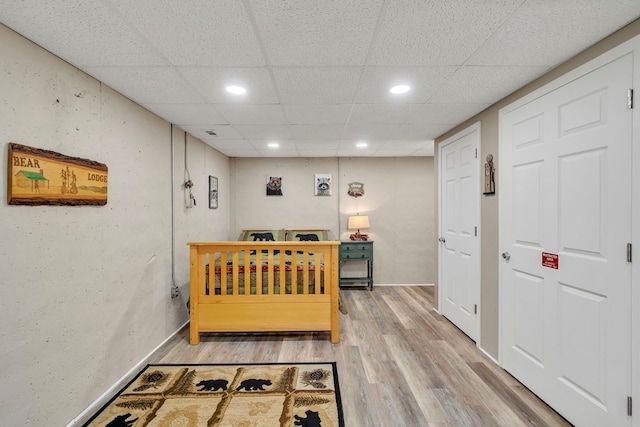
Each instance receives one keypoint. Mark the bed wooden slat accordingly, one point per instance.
(228, 301)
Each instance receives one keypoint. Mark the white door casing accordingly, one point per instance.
(565, 180)
(459, 219)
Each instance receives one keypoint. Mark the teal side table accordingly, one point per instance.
(356, 250)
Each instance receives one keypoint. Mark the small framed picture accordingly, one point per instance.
(274, 185)
(322, 184)
(213, 192)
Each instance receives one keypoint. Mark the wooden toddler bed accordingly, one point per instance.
(264, 286)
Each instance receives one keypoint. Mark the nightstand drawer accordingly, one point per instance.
(356, 254)
(356, 251)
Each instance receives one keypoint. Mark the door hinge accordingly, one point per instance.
(475, 308)
(476, 153)
(629, 406)
(630, 98)
(629, 252)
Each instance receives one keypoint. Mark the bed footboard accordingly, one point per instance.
(263, 287)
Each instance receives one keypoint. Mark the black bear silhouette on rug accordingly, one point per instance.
(312, 420)
(253, 384)
(212, 385)
(121, 421)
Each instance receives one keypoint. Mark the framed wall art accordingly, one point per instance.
(43, 177)
(322, 184)
(213, 192)
(274, 185)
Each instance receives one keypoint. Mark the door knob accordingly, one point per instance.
(506, 256)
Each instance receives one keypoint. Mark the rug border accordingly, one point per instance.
(335, 375)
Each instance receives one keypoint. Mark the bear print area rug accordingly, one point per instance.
(302, 394)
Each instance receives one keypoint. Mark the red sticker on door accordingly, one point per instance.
(550, 260)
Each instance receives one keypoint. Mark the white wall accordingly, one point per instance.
(399, 199)
(85, 292)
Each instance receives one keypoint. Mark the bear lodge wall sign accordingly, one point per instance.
(43, 177)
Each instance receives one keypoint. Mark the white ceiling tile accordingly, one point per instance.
(241, 153)
(435, 32)
(317, 85)
(419, 131)
(187, 114)
(222, 132)
(284, 145)
(525, 38)
(148, 85)
(317, 152)
(197, 32)
(424, 82)
(316, 114)
(211, 82)
(227, 144)
(272, 132)
(451, 114)
(381, 113)
(369, 132)
(97, 36)
(327, 32)
(485, 84)
(317, 131)
(252, 114)
(406, 145)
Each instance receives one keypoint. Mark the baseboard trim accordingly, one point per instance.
(84, 416)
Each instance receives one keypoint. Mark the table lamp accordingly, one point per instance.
(356, 222)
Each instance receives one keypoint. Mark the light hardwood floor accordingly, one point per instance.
(399, 363)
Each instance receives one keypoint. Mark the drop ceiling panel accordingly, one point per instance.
(416, 131)
(200, 32)
(435, 32)
(526, 37)
(84, 33)
(485, 84)
(271, 132)
(381, 113)
(317, 131)
(187, 114)
(317, 85)
(424, 82)
(446, 113)
(322, 33)
(369, 132)
(148, 85)
(223, 132)
(252, 114)
(211, 83)
(316, 114)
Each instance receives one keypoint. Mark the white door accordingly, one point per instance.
(565, 221)
(459, 260)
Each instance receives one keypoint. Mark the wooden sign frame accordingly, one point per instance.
(43, 177)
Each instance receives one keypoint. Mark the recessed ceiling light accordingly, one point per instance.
(236, 90)
(273, 145)
(400, 89)
(362, 144)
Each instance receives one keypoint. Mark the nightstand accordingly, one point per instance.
(356, 250)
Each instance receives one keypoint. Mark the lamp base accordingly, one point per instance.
(358, 236)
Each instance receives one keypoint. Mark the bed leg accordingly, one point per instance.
(335, 336)
(194, 336)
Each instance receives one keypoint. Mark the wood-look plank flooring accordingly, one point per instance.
(400, 363)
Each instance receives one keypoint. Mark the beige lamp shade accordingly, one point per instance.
(357, 222)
